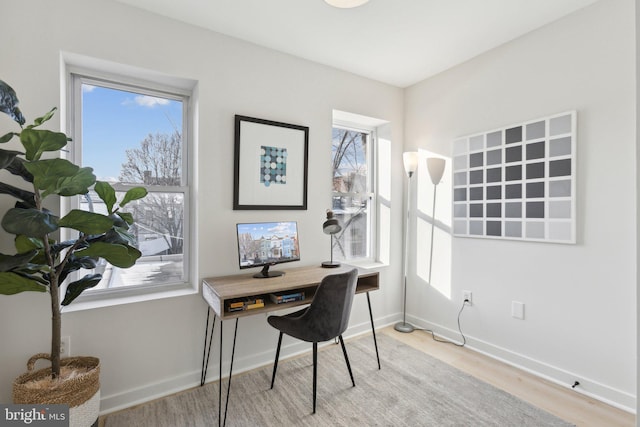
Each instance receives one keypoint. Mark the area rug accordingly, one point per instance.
(412, 389)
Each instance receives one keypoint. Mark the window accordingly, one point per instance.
(137, 135)
(353, 194)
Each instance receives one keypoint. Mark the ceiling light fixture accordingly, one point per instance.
(346, 4)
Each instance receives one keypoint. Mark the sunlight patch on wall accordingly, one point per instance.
(441, 269)
(434, 269)
(384, 168)
(384, 194)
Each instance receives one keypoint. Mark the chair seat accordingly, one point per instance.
(296, 326)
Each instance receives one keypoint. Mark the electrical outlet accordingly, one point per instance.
(467, 296)
(65, 346)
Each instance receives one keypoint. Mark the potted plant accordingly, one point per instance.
(42, 262)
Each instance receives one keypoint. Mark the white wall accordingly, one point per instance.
(154, 348)
(580, 300)
(637, 52)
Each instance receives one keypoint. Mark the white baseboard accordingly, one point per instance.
(588, 387)
(243, 363)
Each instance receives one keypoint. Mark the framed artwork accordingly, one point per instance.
(517, 182)
(271, 160)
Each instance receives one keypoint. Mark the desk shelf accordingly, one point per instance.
(218, 291)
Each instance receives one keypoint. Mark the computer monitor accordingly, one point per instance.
(263, 244)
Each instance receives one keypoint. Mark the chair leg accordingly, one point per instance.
(275, 364)
(346, 358)
(315, 373)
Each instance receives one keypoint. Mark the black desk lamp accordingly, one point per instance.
(331, 226)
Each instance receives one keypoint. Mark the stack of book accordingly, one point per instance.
(282, 297)
(246, 303)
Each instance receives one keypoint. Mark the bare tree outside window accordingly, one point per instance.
(351, 192)
(158, 162)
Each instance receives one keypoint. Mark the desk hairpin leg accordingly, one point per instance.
(220, 377)
(205, 363)
(207, 352)
(233, 352)
(373, 329)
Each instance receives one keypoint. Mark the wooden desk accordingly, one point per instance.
(218, 291)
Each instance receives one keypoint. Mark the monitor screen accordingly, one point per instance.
(263, 244)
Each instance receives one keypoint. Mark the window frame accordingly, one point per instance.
(147, 85)
(373, 250)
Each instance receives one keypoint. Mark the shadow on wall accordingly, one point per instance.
(433, 226)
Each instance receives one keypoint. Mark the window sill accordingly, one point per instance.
(367, 264)
(129, 296)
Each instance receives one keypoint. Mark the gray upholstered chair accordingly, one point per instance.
(326, 318)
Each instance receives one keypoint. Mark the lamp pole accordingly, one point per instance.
(410, 164)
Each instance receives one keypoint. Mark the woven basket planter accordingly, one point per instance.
(81, 392)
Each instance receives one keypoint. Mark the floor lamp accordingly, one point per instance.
(410, 160)
(435, 166)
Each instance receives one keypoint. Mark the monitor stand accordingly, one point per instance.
(265, 273)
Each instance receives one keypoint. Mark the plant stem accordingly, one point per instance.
(54, 292)
(56, 327)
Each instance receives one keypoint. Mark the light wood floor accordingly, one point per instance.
(571, 406)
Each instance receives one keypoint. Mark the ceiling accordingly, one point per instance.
(399, 42)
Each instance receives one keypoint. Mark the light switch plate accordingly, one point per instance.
(517, 310)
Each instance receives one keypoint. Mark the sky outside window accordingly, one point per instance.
(115, 120)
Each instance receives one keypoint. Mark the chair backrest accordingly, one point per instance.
(328, 314)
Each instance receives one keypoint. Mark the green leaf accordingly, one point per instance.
(134, 193)
(107, 194)
(119, 235)
(9, 262)
(74, 264)
(56, 248)
(76, 184)
(17, 168)
(26, 244)
(86, 222)
(118, 221)
(116, 235)
(12, 283)
(18, 193)
(124, 235)
(7, 137)
(6, 157)
(37, 141)
(127, 217)
(122, 256)
(46, 173)
(76, 288)
(60, 176)
(30, 222)
(46, 117)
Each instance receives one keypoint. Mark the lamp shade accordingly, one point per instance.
(346, 4)
(435, 166)
(410, 160)
(331, 225)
